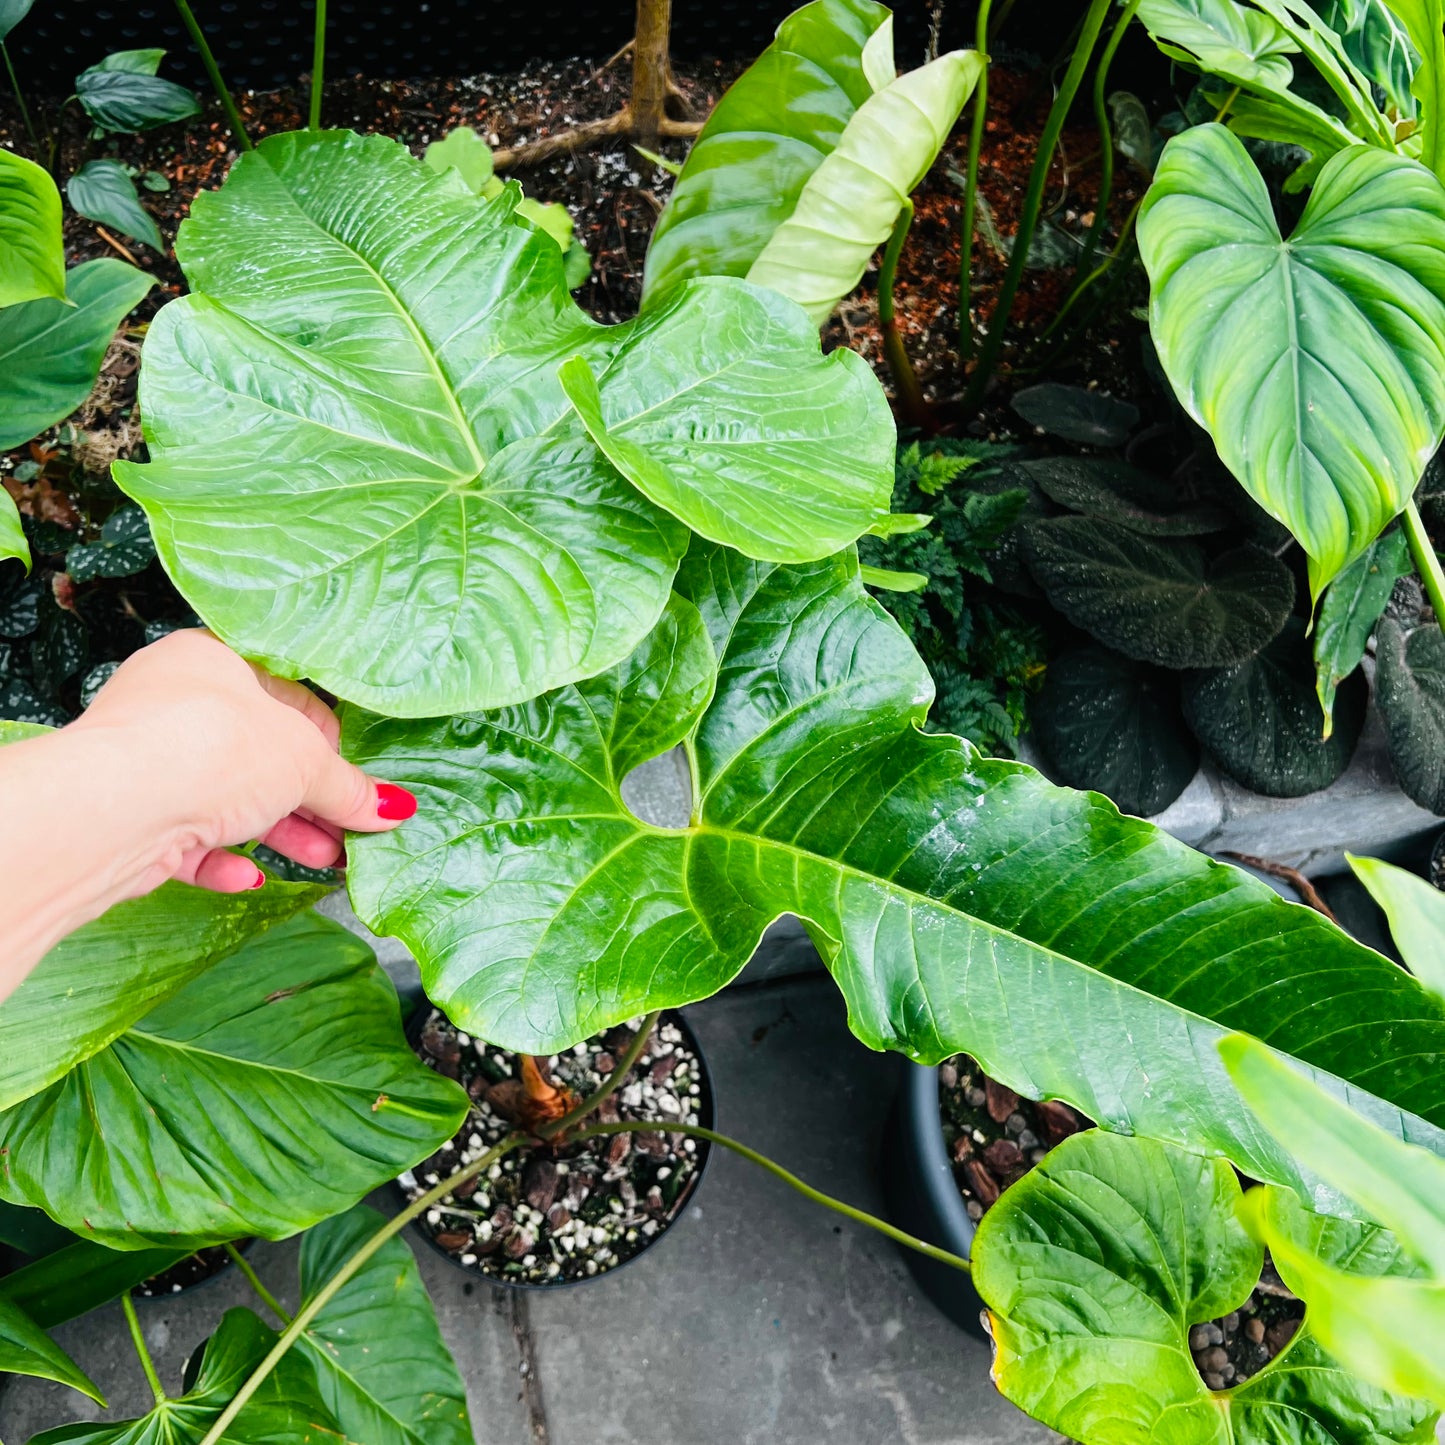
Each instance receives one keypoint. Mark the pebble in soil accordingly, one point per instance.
(571, 1211)
(994, 1137)
(186, 1273)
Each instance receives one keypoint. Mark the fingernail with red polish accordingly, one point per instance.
(394, 803)
(260, 880)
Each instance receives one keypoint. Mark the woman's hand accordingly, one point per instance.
(188, 750)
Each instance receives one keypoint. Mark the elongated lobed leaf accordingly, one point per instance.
(365, 468)
(32, 258)
(271, 1092)
(1289, 352)
(961, 902)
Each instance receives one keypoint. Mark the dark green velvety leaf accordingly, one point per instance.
(1260, 719)
(1094, 1266)
(50, 352)
(1159, 600)
(1378, 44)
(19, 603)
(25, 1349)
(1410, 685)
(285, 1410)
(382, 1366)
(962, 903)
(1077, 415)
(1120, 493)
(102, 190)
(19, 702)
(81, 1277)
(1353, 604)
(128, 98)
(419, 519)
(61, 646)
(264, 1096)
(1109, 723)
(124, 548)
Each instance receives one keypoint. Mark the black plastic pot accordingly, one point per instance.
(923, 1199)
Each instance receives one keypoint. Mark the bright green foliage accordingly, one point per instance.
(267, 1094)
(32, 260)
(25, 1349)
(124, 93)
(102, 190)
(962, 904)
(50, 352)
(1095, 1265)
(382, 1366)
(1354, 603)
(1376, 41)
(465, 152)
(1288, 352)
(419, 520)
(1416, 912)
(1410, 688)
(12, 533)
(286, 1410)
(1424, 22)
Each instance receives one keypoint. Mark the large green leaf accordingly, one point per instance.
(285, 1410)
(1288, 352)
(266, 1095)
(1416, 913)
(768, 134)
(50, 351)
(32, 259)
(102, 190)
(1095, 1265)
(1354, 603)
(418, 518)
(25, 1349)
(962, 903)
(1160, 600)
(123, 93)
(1410, 688)
(383, 1368)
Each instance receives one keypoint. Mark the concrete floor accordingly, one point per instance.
(761, 1318)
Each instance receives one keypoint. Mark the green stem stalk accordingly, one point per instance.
(19, 97)
(262, 1293)
(910, 394)
(133, 1324)
(1427, 564)
(1033, 201)
(1106, 135)
(970, 188)
(694, 1131)
(613, 1081)
(198, 39)
(318, 66)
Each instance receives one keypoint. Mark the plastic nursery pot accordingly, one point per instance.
(192, 1273)
(923, 1198)
(706, 1117)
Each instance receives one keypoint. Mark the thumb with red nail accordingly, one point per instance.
(187, 752)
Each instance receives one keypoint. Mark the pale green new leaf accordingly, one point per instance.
(962, 903)
(51, 351)
(1416, 912)
(1289, 352)
(25, 1349)
(32, 259)
(418, 520)
(13, 542)
(465, 152)
(382, 1366)
(849, 205)
(1094, 1266)
(263, 1097)
(1424, 22)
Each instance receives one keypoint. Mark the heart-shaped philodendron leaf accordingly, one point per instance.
(1410, 687)
(1160, 600)
(365, 468)
(13, 542)
(1095, 1265)
(1117, 492)
(285, 1410)
(1289, 352)
(269, 1093)
(962, 903)
(1108, 723)
(32, 258)
(1354, 603)
(50, 351)
(383, 1369)
(25, 1349)
(1416, 913)
(1260, 720)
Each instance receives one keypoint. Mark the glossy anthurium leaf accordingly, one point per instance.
(266, 1095)
(124, 93)
(1117, 492)
(1354, 602)
(13, 542)
(1233, 41)
(102, 190)
(1416, 913)
(32, 259)
(50, 351)
(1109, 723)
(285, 1410)
(962, 903)
(1410, 688)
(1287, 352)
(419, 519)
(1260, 719)
(25, 1349)
(1095, 1265)
(1159, 599)
(768, 134)
(382, 1366)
